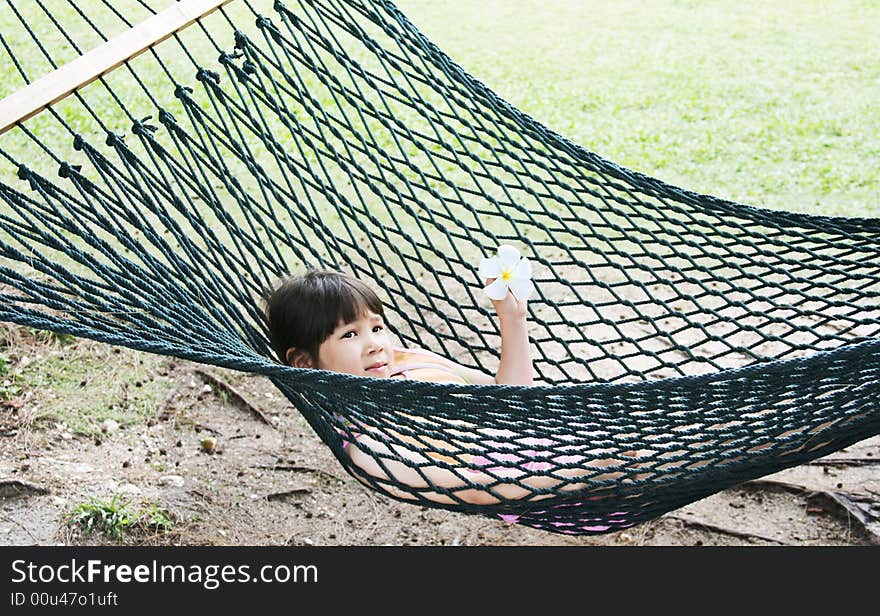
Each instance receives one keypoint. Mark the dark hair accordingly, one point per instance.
(302, 311)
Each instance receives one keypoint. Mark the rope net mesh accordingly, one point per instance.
(683, 343)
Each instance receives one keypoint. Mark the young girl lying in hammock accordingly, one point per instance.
(331, 321)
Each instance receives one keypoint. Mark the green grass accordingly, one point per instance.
(9, 387)
(772, 104)
(116, 519)
(767, 103)
(82, 385)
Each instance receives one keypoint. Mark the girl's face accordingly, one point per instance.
(362, 347)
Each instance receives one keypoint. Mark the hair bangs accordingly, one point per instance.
(304, 311)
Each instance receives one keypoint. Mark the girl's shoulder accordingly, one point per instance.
(419, 355)
(423, 365)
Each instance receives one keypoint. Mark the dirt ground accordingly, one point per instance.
(273, 482)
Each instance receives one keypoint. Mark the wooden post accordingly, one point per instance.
(58, 84)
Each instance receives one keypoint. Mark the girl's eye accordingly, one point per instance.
(378, 328)
(346, 334)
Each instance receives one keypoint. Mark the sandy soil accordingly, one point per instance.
(279, 485)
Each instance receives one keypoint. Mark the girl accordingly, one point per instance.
(331, 321)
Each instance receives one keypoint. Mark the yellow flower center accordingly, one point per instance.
(506, 275)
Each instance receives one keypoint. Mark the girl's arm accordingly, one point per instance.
(515, 367)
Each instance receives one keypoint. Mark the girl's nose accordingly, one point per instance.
(376, 343)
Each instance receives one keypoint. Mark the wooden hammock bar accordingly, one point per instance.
(51, 88)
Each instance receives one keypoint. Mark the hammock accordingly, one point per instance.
(684, 344)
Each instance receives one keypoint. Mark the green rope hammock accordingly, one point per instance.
(152, 208)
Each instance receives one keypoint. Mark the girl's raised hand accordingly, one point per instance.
(509, 307)
(508, 282)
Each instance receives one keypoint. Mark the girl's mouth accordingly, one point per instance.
(377, 367)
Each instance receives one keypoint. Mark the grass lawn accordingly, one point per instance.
(771, 104)
(767, 103)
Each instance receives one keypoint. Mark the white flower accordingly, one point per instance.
(510, 271)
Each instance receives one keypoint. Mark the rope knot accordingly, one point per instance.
(141, 128)
(65, 169)
(78, 142)
(166, 118)
(248, 67)
(204, 75)
(26, 174)
(113, 140)
(264, 22)
(182, 92)
(241, 40)
(227, 58)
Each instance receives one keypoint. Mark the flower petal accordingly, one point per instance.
(521, 288)
(523, 269)
(497, 290)
(490, 268)
(508, 255)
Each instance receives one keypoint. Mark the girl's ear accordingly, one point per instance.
(298, 359)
